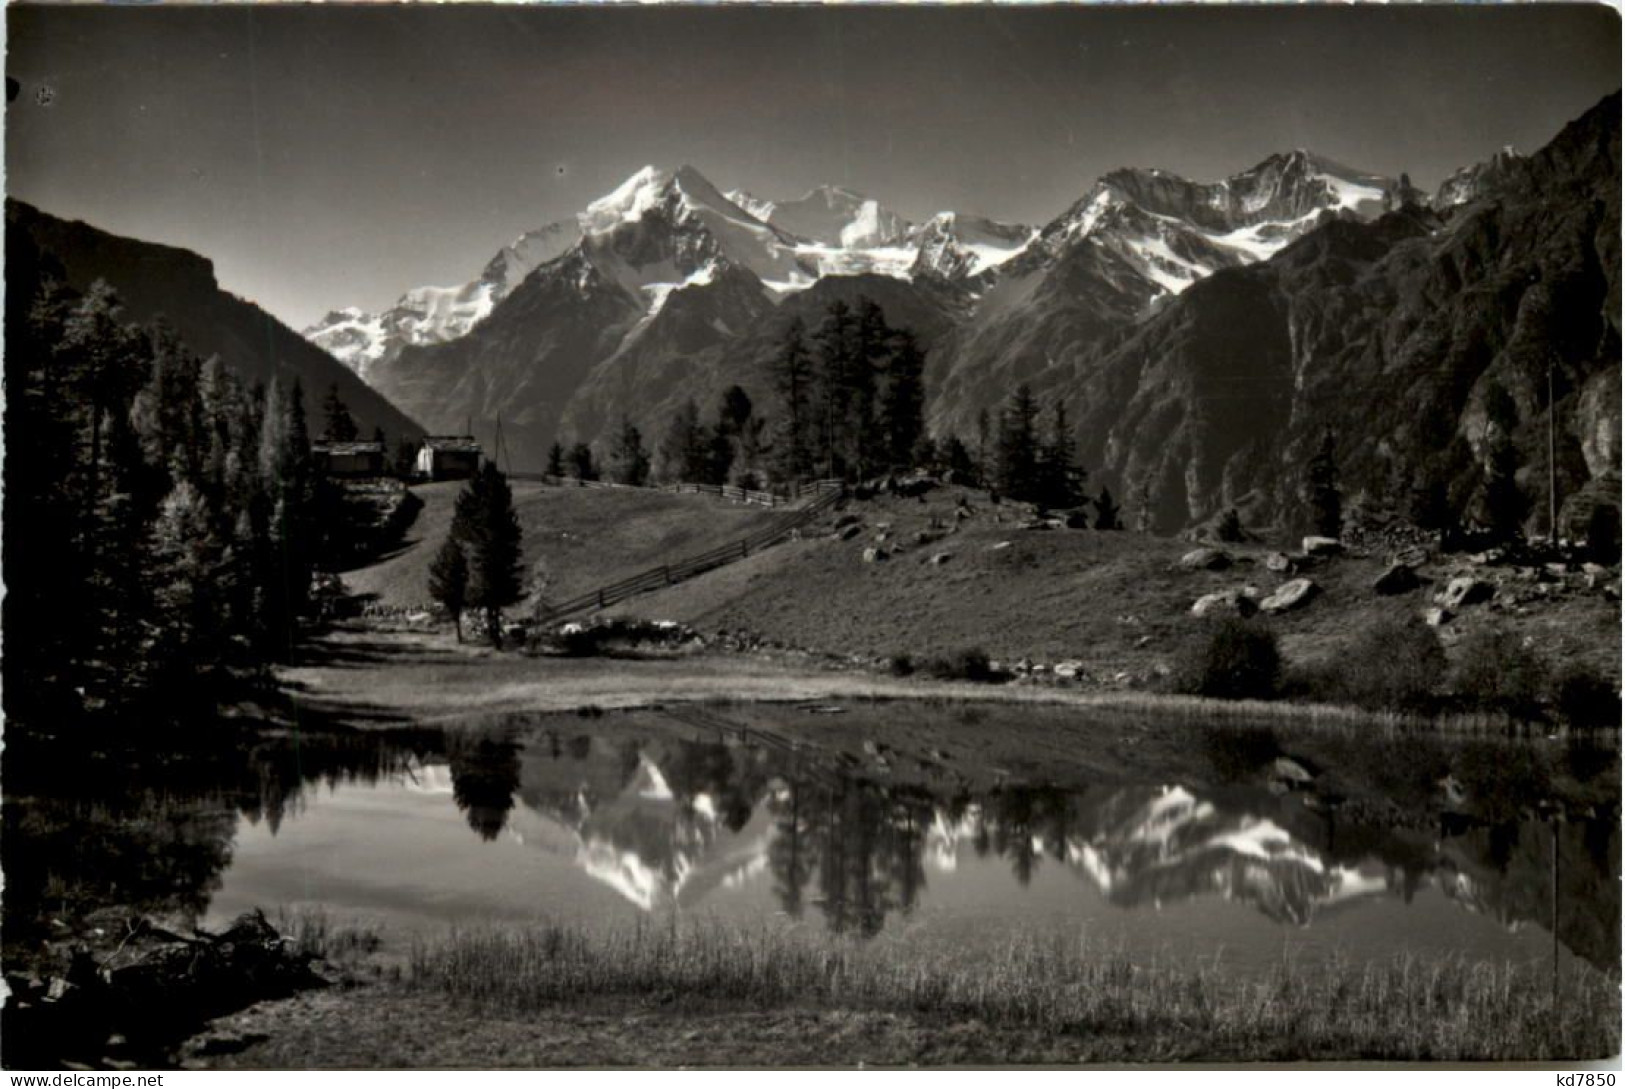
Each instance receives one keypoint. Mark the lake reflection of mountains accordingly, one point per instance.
(666, 824)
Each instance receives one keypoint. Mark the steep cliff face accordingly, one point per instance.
(1388, 334)
(154, 280)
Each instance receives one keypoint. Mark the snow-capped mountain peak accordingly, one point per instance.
(831, 215)
(958, 246)
(757, 207)
(627, 202)
(1173, 231)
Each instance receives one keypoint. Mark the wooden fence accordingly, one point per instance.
(825, 494)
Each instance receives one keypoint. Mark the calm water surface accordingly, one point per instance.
(422, 831)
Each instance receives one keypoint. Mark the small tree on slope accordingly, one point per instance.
(448, 581)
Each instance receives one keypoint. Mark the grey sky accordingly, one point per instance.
(330, 156)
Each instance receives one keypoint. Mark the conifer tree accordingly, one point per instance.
(290, 523)
(792, 381)
(735, 412)
(628, 460)
(871, 446)
(902, 404)
(958, 460)
(1017, 458)
(838, 360)
(685, 453)
(191, 631)
(581, 462)
(339, 425)
(555, 459)
(1059, 478)
(485, 524)
(719, 459)
(448, 580)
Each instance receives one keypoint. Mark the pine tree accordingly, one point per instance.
(1017, 459)
(555, 459)
(719, 460)
(629, 461)
(792, 381)
(339, 425)
(191, 625)
(735, 412)
(1059, 478)
(448, 580)
(287, 559)
(733, 441)
(168, 411)
(872, 446)
(902, 404)
(107, 364)
(485, 524)
(44, 566)
(685, 452)
(581, 462)
(957, 459)
(837, 363)
(1324, 496)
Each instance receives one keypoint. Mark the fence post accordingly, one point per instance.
(600, 599)
(666, 571)
(744, 549)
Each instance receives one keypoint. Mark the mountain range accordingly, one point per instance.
(665, 284)
(1202, 335)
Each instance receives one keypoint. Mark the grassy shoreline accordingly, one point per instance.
(377, 677)
(719, 994)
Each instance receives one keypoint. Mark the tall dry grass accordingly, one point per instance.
(1411, 1008)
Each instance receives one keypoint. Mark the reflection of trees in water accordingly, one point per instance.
(484, 776)
(862, 847)
(150, 826)
(864, 844)
(789, 853)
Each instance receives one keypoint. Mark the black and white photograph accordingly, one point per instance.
(787, 536)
